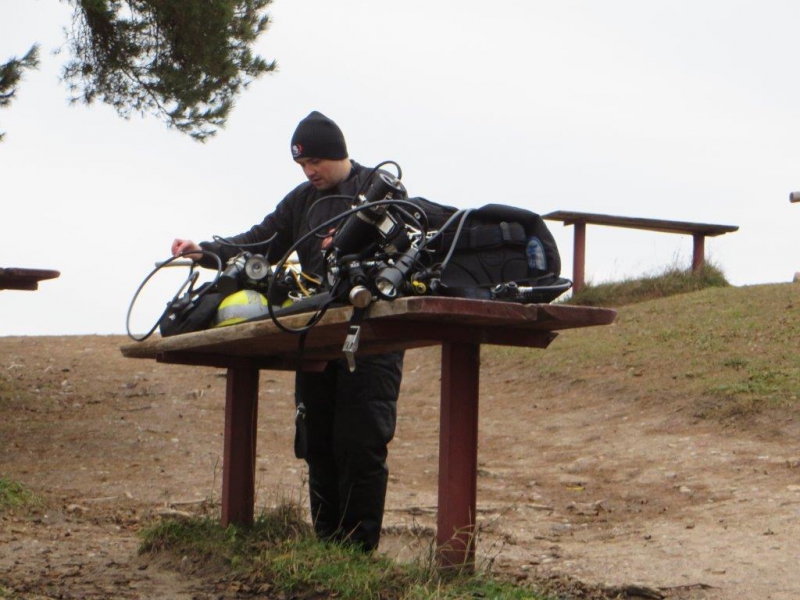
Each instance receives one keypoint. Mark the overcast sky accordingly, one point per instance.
(683, 110)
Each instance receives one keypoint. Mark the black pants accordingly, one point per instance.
(349, 421)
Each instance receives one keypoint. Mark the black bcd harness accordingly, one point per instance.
(496, 252)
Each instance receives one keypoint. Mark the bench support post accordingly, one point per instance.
(239, 455)
(579, 256)
(458, 455)
(698, 251)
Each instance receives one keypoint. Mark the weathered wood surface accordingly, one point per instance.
(665, 226)
(12, 278)
(404, 323)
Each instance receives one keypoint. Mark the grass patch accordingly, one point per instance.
(15, 495)
(668, 283)
(279, 555)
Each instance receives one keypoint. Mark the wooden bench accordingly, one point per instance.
(698, 231)
(24, 279)
(459, 325)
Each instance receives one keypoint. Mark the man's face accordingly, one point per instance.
(323, 174)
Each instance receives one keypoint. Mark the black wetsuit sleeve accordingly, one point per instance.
(279, 226)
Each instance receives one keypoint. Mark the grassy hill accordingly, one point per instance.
(723, 351)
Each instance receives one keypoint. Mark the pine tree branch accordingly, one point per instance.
(183, 60)
(11, 74)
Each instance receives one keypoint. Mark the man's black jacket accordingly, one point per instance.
(289, 222)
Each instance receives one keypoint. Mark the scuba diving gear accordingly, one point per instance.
(386, 246)
(244, 270)
(190, 309)
(498, 252)
(243, 305)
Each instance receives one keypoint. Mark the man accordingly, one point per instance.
(349, 417)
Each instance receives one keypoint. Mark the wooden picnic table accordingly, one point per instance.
(698, 231)
(13, 278)
(460, 326)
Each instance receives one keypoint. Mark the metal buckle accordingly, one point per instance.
(351, 346)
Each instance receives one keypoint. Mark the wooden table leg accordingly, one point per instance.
(239, 457)
(458, 454)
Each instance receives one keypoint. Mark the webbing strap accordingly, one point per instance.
(487, 236)
(472, 292)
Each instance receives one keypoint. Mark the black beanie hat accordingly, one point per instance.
(317, 136)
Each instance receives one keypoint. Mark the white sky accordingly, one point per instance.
(679, 109)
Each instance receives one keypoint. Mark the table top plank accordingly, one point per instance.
(401, 324)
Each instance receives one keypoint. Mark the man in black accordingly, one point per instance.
(349, 416)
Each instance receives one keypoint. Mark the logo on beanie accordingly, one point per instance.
(297, 150)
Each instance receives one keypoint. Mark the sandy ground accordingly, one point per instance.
(577, 482)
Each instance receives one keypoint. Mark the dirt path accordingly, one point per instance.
(575, 480)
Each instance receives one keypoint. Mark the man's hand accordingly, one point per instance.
(179, 246)
(326, 243)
